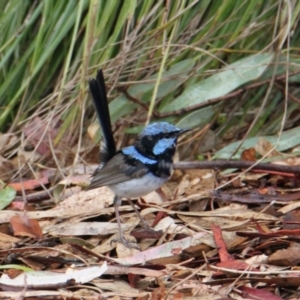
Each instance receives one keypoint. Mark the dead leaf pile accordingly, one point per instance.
(219, 236)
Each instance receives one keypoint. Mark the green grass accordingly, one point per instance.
(49, 49)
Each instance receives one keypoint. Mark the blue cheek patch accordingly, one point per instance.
(162, 145)
(131, 151)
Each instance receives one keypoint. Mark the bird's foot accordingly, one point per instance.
(126, 243)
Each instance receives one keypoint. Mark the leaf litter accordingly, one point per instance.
(230, 235)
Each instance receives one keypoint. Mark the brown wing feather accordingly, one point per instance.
(116, 171)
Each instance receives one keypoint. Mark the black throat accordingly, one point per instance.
(164, 165)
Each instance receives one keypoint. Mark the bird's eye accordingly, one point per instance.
(172, 135)
(150, 138)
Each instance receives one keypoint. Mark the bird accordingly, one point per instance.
(135, 170)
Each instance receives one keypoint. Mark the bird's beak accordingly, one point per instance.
(184, 131)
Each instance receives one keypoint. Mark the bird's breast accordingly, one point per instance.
(138, 187)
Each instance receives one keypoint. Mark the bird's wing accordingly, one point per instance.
(116, 171)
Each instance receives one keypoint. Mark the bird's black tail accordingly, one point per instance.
(98, 91)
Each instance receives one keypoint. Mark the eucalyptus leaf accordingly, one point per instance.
(197, 118)
(16, 267)
(167, 85)
(288, 139)
(222, 83)
(121, 106)
(7, 195)
(291, 64)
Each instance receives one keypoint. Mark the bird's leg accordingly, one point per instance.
(117, 203)
(148, 231)
(145, 225)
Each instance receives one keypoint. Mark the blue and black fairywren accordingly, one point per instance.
(136, 170)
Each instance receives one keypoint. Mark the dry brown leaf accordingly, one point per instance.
(168, 225)
(7, 241)
(123, 251)
(249, 154)
(286, 257)
(93, 131)
(87, 228)
(6, 169)
(200, 181)
(23, 226)
(7, 140)
(227, 212)
(164, 250)
(206, 222)
(291, 206)
(154, 198)
(38, 133)
(63, 294)
(29, 184)
(183, 185)
(119, 287)
(265, 148)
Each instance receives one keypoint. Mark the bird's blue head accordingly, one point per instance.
(160, 128)
(158, 140)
